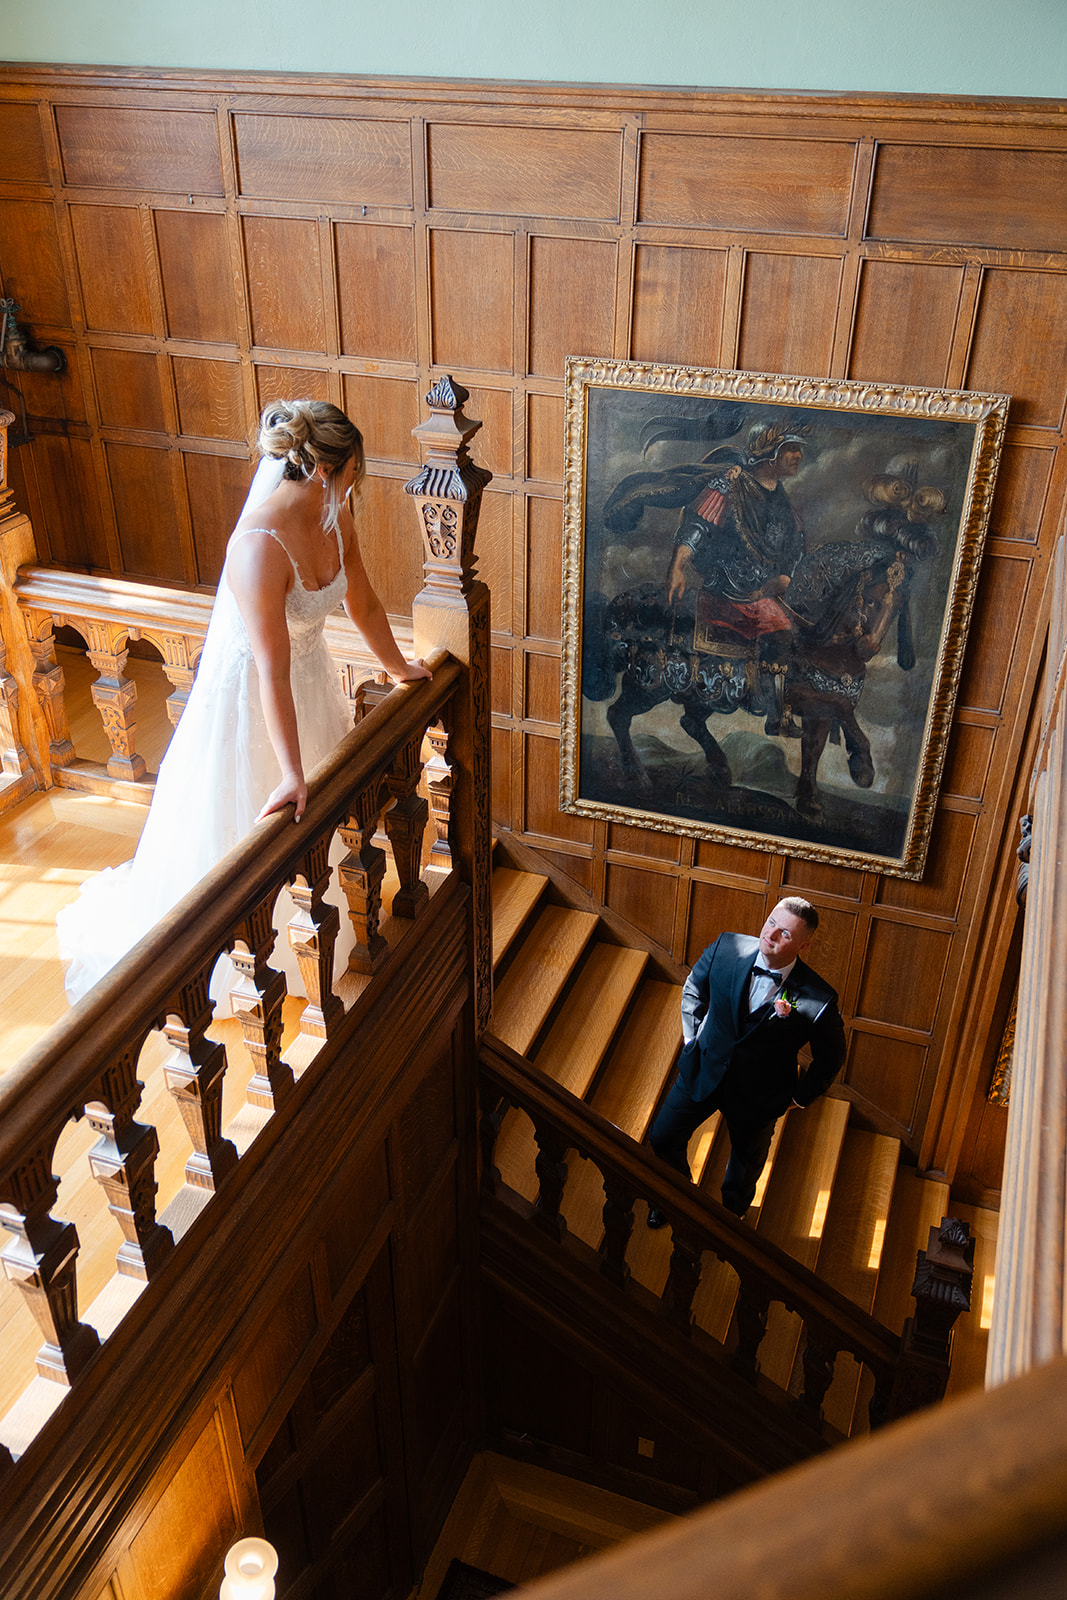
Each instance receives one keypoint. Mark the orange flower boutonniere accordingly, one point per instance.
(783, 1005)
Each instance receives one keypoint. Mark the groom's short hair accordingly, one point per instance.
(802, 909)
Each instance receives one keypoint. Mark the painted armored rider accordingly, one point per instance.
(742, 537)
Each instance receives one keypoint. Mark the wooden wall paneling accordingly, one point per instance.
(780, 186)
(376, 285)
(625, 840)
(210, 396)
(385, 410)
(128, 392)
(22, 141)
(472, 286)
(216, 487)
(647, 899)
(394, 564)
(197, 275)
(544, 437)
(146, 511)
(352, 160)
(994, 633)
(502, 750)
(53, 397)
(109, 245)
(1024, 482)
(544, 558)
(269, 1363)
(904, 969)
(284, 269)
(787, 315)
(715, 906)
(905, 322)
(572, 300)
(940, 890)
(966, 311)
(944, 193)
(136, 148)
(289, 383)
(180, 1546)
(524, 171)
(678, 302)
(541, 794)
(883, 1074)
(31, 262)
(1021, 319)
(542, 688)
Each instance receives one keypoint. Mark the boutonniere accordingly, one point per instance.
(783, 1005)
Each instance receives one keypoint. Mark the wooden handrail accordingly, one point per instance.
(939, 1504)
(909, 1371)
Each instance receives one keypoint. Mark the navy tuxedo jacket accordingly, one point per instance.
(750, 1062)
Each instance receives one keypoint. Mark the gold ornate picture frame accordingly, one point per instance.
(767, 587)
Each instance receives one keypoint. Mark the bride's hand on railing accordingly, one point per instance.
(413, 672)
(292, 790)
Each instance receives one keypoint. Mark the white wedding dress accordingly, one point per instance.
(217, 773)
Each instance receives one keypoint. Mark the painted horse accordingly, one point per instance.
(843, 599)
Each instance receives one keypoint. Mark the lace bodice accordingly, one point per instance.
(306, 609)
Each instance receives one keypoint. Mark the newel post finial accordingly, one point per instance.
(447, 490)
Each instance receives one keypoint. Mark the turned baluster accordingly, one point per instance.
(361, 873)
(618, 1226)
(312, 932)
(123, 1162)
(180, 673)
(439, 780)
(753, 1303)
(682, 1280)
(115, 696)
(49, 684)
(551, 1168)
(820, 1354)
(42, 1261)
(194, 1075)
(256, 999)
(405, 825)
(492, 1109)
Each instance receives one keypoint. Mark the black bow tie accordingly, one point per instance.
(765, 972)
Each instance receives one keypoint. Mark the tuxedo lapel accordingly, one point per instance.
(739, 995)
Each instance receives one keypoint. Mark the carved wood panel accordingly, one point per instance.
(221, 245)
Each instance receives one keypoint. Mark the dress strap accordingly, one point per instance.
(240, 533)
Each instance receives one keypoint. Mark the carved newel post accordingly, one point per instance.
(23, 733)
(452, 611)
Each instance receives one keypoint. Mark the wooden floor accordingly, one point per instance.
(519, 1522)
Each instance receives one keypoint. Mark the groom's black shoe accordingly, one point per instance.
(656, 1219)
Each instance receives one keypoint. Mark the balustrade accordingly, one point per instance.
(88, 1063)
(908, 1372)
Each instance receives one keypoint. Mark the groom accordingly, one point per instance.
(748, 1007)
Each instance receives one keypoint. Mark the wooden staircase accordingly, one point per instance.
(593, 1015)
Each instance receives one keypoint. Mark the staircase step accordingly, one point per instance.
(515, 894)
(626, 1092)
(852, 1245)
(574, 1046)
(538, 975)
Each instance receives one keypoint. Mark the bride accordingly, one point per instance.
(267, 704)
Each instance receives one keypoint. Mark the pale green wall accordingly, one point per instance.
(984, 47)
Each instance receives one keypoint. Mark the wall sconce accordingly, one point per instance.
(250, 1567)
(15, 352)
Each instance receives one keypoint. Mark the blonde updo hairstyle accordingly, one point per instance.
(308, 434)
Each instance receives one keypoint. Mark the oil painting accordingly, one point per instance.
(768, 583)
